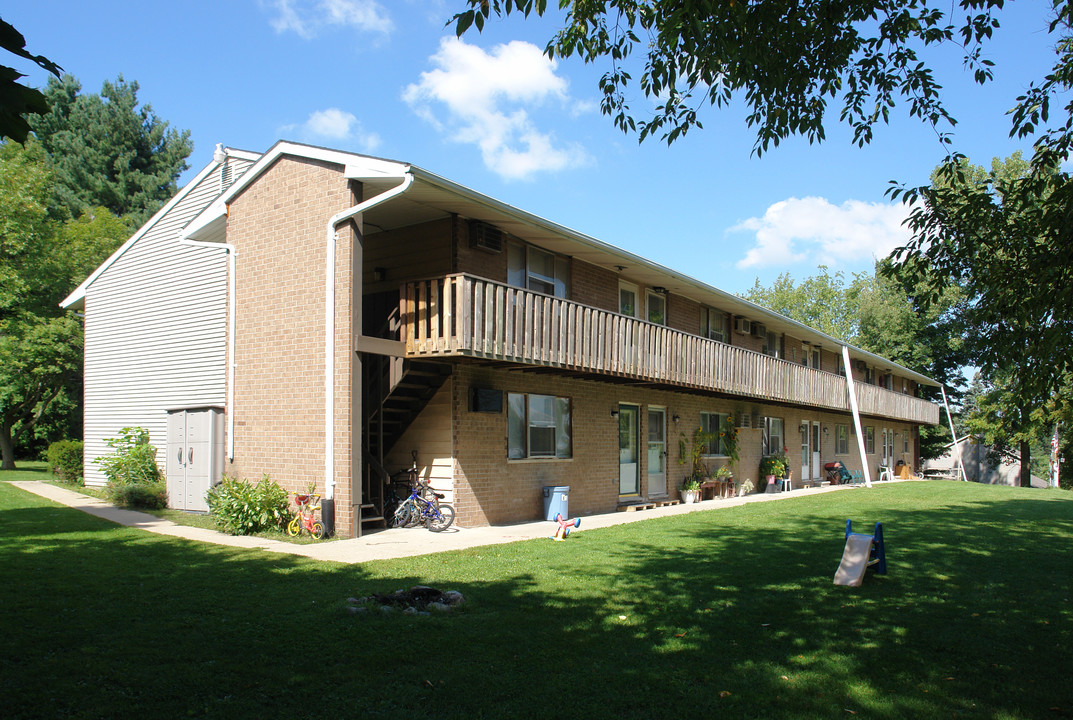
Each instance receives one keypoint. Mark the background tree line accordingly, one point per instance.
(90, 171)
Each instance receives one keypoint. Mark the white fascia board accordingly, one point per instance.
(355, 166)
(747, 307)
(76, 300)
(207, 222)
(210, 220)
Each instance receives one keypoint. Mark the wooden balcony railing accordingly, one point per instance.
(473, 317)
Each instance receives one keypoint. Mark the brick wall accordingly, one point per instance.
(683, 314)
(278, 227)
(593, 285)
(489, 489)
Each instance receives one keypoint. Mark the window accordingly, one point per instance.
(841, 440)
(905, 441)
(869, 439)
(712, 423)
(657, 309)
(538, 426)
(714, 325)
(772, 436)
(773, 344)
(534, 269)
(627, 299)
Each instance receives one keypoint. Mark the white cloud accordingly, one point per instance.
(337, 126)
(813, 230)
(307, 17)
(332, 123)
(485, 98)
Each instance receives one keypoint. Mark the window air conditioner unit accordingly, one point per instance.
(860, 365)
(486, 237)
(759, 330)
(742, 326)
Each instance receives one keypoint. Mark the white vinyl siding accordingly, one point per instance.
(156, 329)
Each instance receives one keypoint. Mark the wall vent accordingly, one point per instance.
(226, 176)
(486, 237)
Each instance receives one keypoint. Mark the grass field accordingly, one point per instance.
(725, 614)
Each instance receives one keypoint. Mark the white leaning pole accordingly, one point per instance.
(957, 443)
(856, 415)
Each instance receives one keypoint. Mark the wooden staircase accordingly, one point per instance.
(395, 391)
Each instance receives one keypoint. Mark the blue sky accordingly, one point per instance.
(385, 77)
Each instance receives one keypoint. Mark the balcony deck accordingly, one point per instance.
(463, 315)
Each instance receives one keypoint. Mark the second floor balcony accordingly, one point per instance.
(466, 316)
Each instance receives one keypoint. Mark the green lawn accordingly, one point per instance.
(721, 614)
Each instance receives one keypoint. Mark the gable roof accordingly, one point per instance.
(76, 300)
(432, 196)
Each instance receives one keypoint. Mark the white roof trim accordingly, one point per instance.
(78, 296)
(747, 306)
(362, 167)
(206, 221)
(354, 166)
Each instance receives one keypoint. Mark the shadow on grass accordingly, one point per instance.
(730, 613)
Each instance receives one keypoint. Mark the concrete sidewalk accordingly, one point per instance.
(394, 542)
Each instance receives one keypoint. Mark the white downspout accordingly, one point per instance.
(856, 415)
(329, 323)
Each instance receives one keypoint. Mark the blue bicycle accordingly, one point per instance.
(423, 506)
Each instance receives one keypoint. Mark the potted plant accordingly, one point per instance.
(693, 451)
(690, 489)
(771, 467)
(724, 474)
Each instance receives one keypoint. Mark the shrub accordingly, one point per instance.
(65, 461)
(134, 480)
(147, 496)
(132, 460)
(243, 508)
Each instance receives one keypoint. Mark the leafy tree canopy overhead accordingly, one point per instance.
(17, 100)
(108, 151)
(788, 59)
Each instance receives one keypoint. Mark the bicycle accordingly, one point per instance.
(417, 508)
(305, 517)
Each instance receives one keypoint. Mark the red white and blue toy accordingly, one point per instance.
(565, 526)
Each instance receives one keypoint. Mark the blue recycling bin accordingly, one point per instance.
(556, 501)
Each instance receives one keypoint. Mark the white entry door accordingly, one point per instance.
(657, 452)
(817, 470)
(629, 478)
